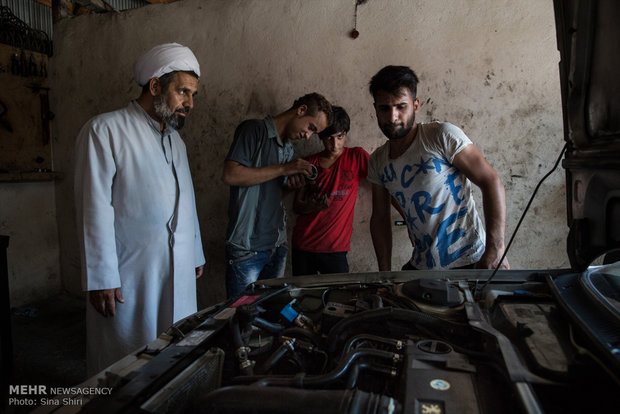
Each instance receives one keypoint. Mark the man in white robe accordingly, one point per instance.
(140, 241)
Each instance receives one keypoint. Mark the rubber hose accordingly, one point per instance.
(338, 331)
(280, 400)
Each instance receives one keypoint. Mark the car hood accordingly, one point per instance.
(588, 36)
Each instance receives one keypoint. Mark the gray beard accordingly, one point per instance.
(162, 110)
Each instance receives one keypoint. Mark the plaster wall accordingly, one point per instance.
(28, 217)
(490, 67)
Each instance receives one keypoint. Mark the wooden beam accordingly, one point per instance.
(48, 3)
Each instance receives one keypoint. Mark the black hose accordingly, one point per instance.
(275, 357)
(236, 333)
(280, 400)
(297, 332)
(367, 337)
(376, 301)
(270, 327)
(242, 352)
(355, 373)
(302, 381)
(339, 331)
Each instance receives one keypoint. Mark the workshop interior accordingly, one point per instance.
(542, 337)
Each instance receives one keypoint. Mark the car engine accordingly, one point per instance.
(416, 345)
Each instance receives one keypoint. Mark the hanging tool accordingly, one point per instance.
(15, 64)
(3, 122)
(32, 69)
(46, 117)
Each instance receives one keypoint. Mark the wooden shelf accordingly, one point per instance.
(30, 176)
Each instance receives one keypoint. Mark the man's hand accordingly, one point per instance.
(297, 170)
(490, 260)
(199, 271)
(297, 166)
(104, 301)
(319, 202)
(295, 182)
(308, 200)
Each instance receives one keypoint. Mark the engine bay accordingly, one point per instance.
(417, 345)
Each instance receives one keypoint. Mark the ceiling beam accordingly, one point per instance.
(48, 3)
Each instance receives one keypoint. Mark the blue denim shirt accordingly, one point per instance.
(256, 214)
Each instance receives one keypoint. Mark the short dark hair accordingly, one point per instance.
(166, 79)
(392, 78)
(341, 123)
(316, 103)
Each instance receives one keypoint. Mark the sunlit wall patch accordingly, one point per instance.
(440, 385)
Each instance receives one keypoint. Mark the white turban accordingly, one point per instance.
(163, 59)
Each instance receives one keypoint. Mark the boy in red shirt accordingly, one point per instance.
(322, 233)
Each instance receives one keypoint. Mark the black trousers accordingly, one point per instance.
(308, 263)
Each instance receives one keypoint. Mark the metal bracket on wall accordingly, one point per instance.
(15, 32)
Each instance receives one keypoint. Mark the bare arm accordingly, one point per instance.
(239, 175)
(476, 168)
(380, 228)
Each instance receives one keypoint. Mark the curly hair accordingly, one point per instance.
(315, 103)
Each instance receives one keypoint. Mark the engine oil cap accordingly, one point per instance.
(440, 385)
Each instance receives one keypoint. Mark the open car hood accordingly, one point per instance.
(588, 37)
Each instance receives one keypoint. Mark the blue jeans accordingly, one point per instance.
(244, 267)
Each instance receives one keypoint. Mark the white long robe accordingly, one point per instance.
(138, 228)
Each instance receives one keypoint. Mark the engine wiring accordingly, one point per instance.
(514, 233)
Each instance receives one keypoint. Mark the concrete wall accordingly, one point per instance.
(28, 217)
(489, 67)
